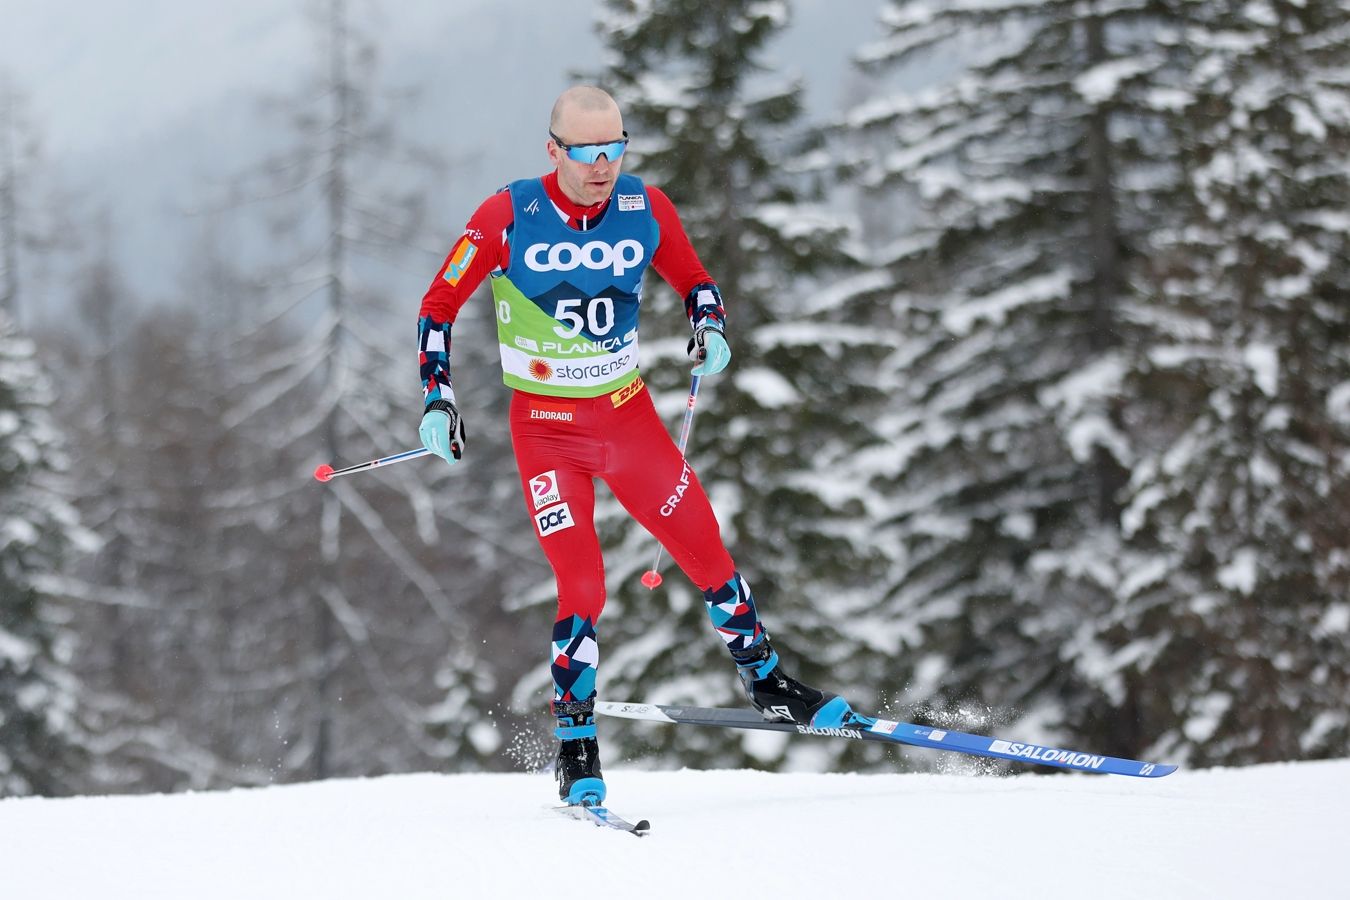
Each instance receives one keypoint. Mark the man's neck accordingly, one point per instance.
(573, 210)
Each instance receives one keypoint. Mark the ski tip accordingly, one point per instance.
(323, 472)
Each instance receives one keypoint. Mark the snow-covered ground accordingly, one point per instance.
(1267, 831)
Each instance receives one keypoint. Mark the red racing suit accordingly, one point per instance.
(564, 437)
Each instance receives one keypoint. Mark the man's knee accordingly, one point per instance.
(582, 594)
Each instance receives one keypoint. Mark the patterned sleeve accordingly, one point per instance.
(481, 249)
(703, 306)
(433, 342)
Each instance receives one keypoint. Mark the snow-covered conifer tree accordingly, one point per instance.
(1120, 438)
(40, 735)
(1237, 574)
(1026, 175)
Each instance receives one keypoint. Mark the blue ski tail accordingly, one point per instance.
(602, 817)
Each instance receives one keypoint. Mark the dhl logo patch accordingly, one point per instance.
(627, 392)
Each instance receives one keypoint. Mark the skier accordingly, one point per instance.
(566, 254)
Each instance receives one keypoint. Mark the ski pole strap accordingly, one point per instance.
(572, 732)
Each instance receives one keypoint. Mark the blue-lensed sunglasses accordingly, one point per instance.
(589, 153)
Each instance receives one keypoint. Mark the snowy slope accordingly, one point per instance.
(1266, 831)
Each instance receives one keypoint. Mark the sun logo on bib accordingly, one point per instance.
(540, 370)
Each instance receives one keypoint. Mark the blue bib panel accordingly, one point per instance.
(567, 304)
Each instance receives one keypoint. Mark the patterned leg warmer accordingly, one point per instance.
(732, 610)
(575, 656)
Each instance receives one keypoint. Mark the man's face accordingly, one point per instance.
(587, 183)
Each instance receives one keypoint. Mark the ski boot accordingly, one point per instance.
(578, 765)
(781, 698)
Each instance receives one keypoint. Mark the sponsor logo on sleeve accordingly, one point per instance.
(460, 260)
(554, 518)
(544, 489)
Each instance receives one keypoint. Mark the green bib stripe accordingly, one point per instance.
(536, 358)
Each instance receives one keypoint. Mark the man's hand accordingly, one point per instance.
(442, 431)
(708, 347)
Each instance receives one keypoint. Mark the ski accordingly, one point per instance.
(601, 817)
(870, 729)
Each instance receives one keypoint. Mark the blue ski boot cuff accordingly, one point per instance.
(576, 718)
(572, 732)
(756, 661)
(760, 669)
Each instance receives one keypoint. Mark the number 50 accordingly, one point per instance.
(599, 316)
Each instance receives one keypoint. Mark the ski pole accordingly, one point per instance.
(326, 472)
(651, 579)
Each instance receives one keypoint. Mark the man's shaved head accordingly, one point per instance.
(584, 100)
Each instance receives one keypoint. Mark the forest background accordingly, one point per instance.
(1038, 423)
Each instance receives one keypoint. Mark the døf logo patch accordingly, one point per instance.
(460, 260)
(555, 518)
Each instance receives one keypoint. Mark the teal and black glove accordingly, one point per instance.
(442, 431)
(709, 347)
